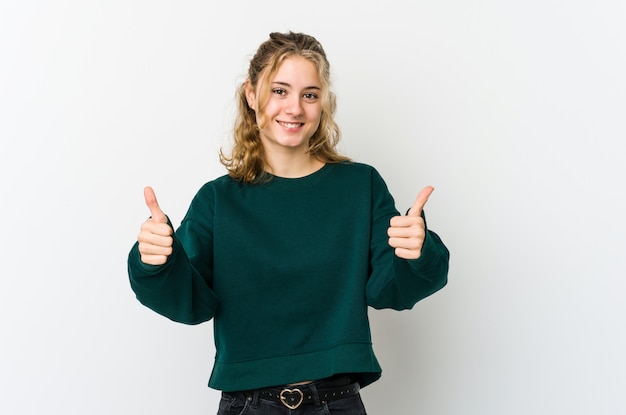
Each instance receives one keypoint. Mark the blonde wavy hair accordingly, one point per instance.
(246, 161)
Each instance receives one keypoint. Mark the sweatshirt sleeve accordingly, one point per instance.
(395, 282)
(180, 289)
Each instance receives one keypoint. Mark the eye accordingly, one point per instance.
(311, 96)
(279, 91)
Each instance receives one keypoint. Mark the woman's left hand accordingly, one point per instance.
(407, 233)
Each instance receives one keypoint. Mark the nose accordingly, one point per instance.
(294, 107)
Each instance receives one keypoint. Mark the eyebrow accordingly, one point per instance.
(286, 84)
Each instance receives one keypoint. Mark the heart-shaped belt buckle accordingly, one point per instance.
(289, 397)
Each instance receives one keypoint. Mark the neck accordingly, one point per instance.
(293, 166)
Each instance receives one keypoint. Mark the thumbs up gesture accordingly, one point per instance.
(407, 233)
(155, 237)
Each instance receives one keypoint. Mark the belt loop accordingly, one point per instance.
(255, 398)
(315, 394)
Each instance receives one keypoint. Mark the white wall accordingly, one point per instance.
(514, 111)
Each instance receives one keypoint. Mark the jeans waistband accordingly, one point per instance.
(327, 389)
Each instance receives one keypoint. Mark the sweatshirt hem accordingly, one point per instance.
(355, 358)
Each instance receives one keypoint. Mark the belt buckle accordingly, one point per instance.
(291, 395)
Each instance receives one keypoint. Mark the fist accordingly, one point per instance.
(155, 237)
(407, 233)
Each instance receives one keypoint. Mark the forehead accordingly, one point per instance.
(297, 71)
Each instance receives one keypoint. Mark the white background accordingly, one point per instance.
(513, 110)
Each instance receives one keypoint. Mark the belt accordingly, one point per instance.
(294, 396)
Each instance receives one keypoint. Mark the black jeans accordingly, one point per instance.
(251, 403)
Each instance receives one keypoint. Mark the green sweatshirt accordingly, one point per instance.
(287, 269)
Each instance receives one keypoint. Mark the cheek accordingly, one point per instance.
(272, 108)
(265, 116)
(317, 116)
(270, 111)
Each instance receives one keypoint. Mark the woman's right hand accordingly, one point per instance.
(155, 237)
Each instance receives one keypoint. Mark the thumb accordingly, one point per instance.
(151, 201)
(420, 201)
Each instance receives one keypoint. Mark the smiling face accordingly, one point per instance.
(293, 109)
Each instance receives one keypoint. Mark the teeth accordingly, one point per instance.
(291, 125)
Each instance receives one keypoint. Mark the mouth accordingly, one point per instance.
(291, 125)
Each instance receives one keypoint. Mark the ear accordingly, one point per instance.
(250, 95)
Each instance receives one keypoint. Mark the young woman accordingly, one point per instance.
(289, 249)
